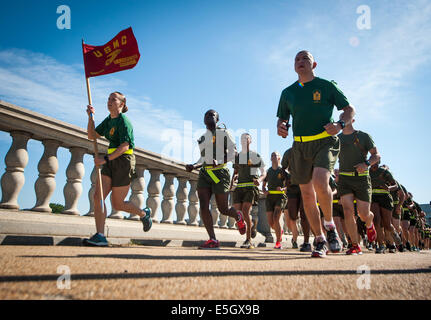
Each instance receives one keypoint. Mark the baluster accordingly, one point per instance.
(73, 188)
(45, 184)
(181, 206)
(154, 188)
(93, 179)
(193, 208)
(168, 198)
(138, 187)
(13, 179)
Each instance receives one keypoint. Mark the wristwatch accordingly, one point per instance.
(367, 163)
(106, 158)
(342, 123)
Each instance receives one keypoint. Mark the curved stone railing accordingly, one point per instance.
(23, 125)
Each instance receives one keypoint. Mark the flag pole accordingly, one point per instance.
(93, 128)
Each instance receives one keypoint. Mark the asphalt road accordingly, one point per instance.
(159, 273)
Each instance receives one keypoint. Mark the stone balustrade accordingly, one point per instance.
(180, 206)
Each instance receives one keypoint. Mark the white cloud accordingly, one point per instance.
(42, 84)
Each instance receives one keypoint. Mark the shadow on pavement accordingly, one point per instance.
(153, 275)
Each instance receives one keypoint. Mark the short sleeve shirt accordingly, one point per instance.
(353, 149)
(247, 164)
(274, 178)
(218, 145)
(311, 105)
(117, 131)
(381, 177)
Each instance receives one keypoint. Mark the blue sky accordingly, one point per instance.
(233, 56)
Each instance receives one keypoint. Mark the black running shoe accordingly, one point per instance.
(380, 249)
(320, 250)
(408, 246)
(305, 247)
(333, 241)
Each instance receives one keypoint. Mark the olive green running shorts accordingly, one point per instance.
(359, 186)
(121, 170)
(305, 156)
(383, 200)
(205, 181)
(275, 200)
(337, 210)
(246, 194)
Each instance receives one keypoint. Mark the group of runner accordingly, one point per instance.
(360, 198)
(356, 198)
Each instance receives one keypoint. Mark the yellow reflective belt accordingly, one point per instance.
(275, 192)
(352, 174)
(321, 135)
(111, 150)
(245, 184)
(210, 169)
(383, 191)
(334, 201)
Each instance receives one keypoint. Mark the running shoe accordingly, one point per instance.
(146, 220)
(305, 247)
(392, 248)
(371, 233)
(240, 223)
(354, 250)
(333, 241)
(211, 244)
(277, 245)
(247, 245)
(96, 240)
(408, 246)
(320, 250)
(401, 248)
(294, 244)
(380, 249)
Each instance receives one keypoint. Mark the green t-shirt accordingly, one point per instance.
(218, 145)
(117, 131)
(380, 178)
(248, 164)
(274, 178)
(353, 149)
(310, 105)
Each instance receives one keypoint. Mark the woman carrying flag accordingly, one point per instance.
(118, 166)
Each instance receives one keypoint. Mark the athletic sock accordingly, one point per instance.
(329, 225)
(320, 238)
(101, 234)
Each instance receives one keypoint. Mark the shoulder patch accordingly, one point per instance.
(201, 139)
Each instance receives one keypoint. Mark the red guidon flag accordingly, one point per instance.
(121, 53)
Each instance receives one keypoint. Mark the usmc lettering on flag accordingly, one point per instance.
(121, 53)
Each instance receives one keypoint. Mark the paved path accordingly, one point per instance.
(144, 272)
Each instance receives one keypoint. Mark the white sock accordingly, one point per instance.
(320, 238)
(101, 234)
(329, 225)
